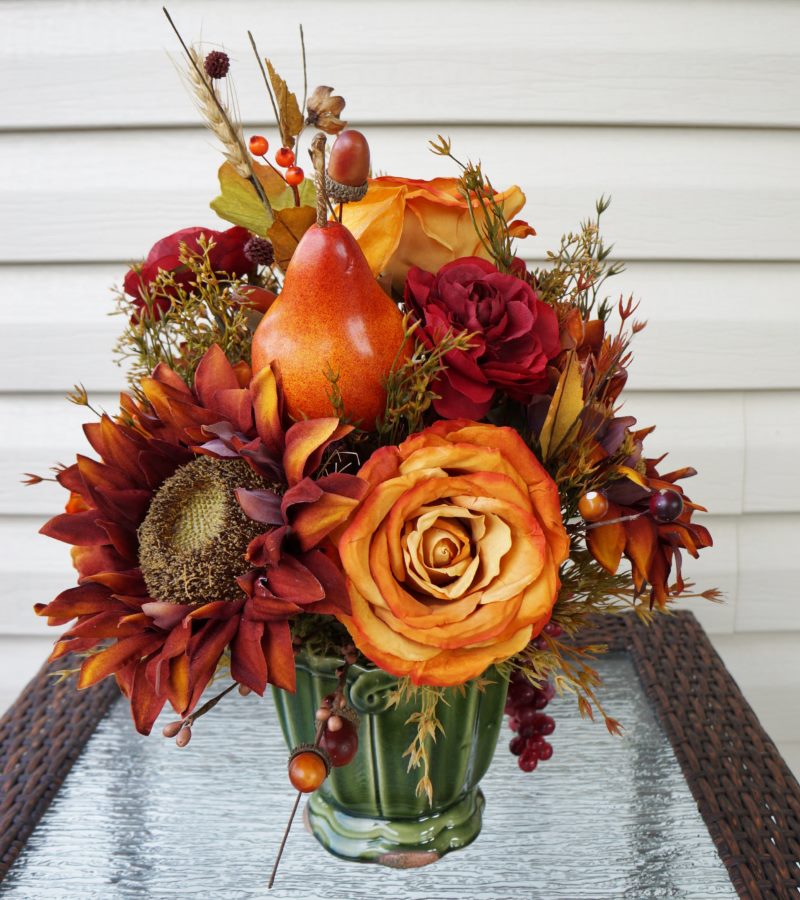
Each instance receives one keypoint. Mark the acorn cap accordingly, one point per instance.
(344, 193)
(312, 748)
(347, 712)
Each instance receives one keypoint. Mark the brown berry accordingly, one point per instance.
(307, 770)
(184, 736)
(593, 506)
(217, 64)
(349, 160)
(341, 745)
(172, 728)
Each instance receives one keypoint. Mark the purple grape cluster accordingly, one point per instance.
(524, 707)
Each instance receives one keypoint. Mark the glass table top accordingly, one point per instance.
(138, 818)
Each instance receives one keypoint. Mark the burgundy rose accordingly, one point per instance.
(515, 334)
(227, 255)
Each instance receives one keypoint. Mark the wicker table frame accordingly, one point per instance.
(748, 798)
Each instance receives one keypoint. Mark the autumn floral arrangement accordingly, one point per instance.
(359, 426)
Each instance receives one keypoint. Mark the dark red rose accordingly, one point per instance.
(227, 255)
(515, 334)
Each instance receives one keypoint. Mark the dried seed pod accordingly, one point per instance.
(172, 728)
(323, 110)
(184, 736)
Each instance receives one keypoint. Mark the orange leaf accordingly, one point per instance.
(288, 228)
(97, 667)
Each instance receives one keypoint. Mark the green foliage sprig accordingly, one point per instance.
(197, 315)
(577, 271)
(490, 222)
(410, 385)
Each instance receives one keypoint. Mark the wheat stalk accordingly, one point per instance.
(218, 117)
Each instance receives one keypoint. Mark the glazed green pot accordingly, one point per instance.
(369, 810)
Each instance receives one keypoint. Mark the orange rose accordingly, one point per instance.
(402, 223)
(452, 559)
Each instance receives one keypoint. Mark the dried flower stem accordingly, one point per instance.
(266, 80)
(210, 704)
(318, 158)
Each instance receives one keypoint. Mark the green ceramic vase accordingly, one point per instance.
(369, 811)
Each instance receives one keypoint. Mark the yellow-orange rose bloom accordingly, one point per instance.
(452, 559)
(402, 223)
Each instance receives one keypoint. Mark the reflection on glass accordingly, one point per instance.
(137, 818)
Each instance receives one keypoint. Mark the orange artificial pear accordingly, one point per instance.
(330, 317)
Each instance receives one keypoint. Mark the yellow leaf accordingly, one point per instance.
(633, 475)
(291, 119)
(565, 407)
(289, 226)
(239, 202)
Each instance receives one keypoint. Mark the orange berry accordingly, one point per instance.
(294, 176)
(284, 158)
(307, 770)
(258, 145)
(593, 506)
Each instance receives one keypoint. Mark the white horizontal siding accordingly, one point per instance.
(708, 325)
(626, 62)
(677, 194)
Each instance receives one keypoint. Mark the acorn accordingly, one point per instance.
(340, 736)
(309, 766)
(348, 167)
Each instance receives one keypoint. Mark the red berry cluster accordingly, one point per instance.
(524, 707)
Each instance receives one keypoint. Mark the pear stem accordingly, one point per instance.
(318, 158)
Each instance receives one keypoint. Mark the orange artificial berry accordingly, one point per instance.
(294, 176)
(284, 158)
(308, 768)
(258, 145)
(593, 506)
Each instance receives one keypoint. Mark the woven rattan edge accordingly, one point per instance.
(41, 736)
(746, 794)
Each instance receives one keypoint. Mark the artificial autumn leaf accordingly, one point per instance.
(285, 232)
(291, 119)
(565, 407)
(239, 202)
(632, 475)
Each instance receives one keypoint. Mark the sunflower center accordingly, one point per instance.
(193, 539)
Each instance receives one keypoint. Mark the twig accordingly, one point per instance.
(342, 673)
(266, 80)
(210, 704)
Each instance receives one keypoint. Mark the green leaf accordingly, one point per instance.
(240, 204)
